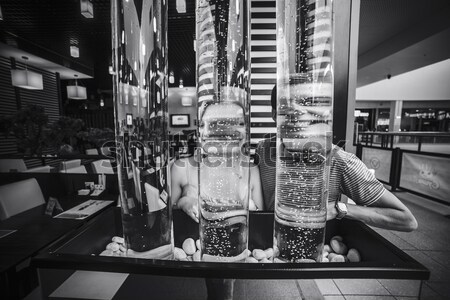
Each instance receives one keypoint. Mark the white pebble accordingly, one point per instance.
(197, 256)
(259, 254)
(179, 254)
(331, 255)
(325, 259)
(197, 244)
(189, 246)
(325, 254)
(305, 260)
(337, 237)
(327, 248)
(118, 240)
(353, 255)
(113, 246)
(251, 259)
(107, 253)
(277, 260)
(265, 260)
(338, 246)
(122, 248)
(268, 252)
(338, 258)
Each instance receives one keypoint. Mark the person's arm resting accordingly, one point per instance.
(376, 206)
(387, 212)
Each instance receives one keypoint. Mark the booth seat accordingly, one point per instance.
(19, 196)
(102, 166)
(78, 170)
(18, 165)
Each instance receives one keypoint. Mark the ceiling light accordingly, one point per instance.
(76, 92)
(102, 102)
(87, 9)
(171, 77)
(181, 6)
(26, 79)
(181, 84)
(74, 51)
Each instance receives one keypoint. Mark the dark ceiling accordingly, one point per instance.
(50, 26)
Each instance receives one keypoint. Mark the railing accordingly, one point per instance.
(390, 140)
(423, 173)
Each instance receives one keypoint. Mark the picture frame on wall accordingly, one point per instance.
(180, 120)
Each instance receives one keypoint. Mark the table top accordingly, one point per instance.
(34, 231)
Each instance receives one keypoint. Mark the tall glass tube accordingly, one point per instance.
(223, 76)
(139, 42)
(304, 127)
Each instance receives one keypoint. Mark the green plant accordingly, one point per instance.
(65, 131)
(29, 127)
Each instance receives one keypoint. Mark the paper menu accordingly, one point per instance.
(84, 210)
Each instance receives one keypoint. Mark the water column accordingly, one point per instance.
(223, 93)
(139, 42)
(304, 127)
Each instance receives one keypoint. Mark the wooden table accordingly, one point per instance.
(34, 231)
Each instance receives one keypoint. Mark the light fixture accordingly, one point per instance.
(1, 14)
(76, 92)
(186, 101)
(102, 102)
(87, 9)
(181, 84)
(74, 51)
(181, 6)
(171, 77)
(26, 79)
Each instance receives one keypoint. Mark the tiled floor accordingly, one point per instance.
(429, 244)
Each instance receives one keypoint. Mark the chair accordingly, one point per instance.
(69, 164)
(19, 196)
(18, 165)
(92, 151)
(78, 170)
(102, 166)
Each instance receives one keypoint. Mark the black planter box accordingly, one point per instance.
(380, 259)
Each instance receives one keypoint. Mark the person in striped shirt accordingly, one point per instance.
(349, 176)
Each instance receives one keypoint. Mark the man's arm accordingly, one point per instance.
(387, 212)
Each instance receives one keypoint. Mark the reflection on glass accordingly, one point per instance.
(223, 94)
(140, 94)
(304, 127)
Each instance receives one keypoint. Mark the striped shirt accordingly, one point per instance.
(348, 176)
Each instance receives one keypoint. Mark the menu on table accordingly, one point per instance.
(84, 210)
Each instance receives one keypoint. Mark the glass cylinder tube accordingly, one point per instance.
(223, 76)
(139, 41)
(304, 127)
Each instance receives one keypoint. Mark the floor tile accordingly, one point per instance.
(272, 289)
(428, 293)
(438, 272)
(396, 240)
(398, 287)
(90, 285)
(368, 297)
(441, 257)
(327, 287)
(443, 289)
(360, 287)
(333, 297)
